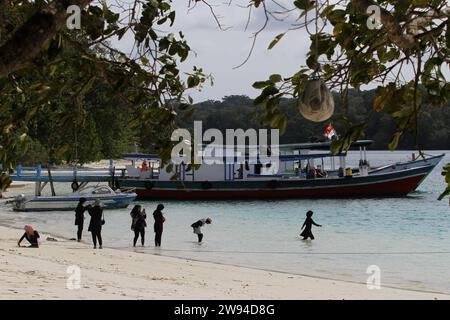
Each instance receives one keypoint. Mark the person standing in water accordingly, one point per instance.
(158, 226)
(197, 227)
(138, 223)
(308, 225)
(31, 235)
(79, 217)
(95, 225)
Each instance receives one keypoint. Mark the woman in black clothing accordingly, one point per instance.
(138, 223)
(308, 225)
(79, 217)
(95, 225)
(31, 235)
(158, 226)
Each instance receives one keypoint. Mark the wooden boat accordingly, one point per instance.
(286, 179)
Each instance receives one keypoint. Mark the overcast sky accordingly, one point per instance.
(219, 52)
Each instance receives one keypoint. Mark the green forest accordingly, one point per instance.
(240, 112)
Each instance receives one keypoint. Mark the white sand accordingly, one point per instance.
(29, 273)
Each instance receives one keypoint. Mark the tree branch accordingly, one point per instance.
(393, 29)
(26, 43)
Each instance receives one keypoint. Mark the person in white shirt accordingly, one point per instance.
(197, 226)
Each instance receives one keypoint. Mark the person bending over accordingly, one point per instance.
(197, 226)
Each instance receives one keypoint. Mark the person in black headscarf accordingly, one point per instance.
(95, 225)
(79, 217)
(308, 225)
(138, 223)
(158, 226)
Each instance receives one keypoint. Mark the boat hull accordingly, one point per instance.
(394, 184)
(69, 204)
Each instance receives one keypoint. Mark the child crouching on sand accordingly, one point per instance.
(31, 235)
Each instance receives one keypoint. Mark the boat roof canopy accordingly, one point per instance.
(140, 156)
(322, 145)
(296, 157)
(290, 146)
(326, 145)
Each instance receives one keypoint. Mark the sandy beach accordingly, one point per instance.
(27, 273)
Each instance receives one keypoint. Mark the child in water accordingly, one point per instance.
(307, 225)
(197, 226)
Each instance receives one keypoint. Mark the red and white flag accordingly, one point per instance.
(330, 132)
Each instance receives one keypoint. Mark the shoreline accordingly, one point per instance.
(152, 276)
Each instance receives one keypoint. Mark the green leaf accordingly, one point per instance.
(420, 3)
(275, 40)
(304, 4)
(270, 90)
(261, 84)
(394, 140)
(144, 61)
(120, 33)
(274, 78)
(336, 16)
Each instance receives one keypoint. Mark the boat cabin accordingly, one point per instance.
(295, 161)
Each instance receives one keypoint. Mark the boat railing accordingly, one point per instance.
(64, 174)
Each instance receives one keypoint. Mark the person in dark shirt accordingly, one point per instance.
(79, 217)
(95, 225)
(31, 235)
(158, 226)
(308, 225)
(138, 223)
(197, 226)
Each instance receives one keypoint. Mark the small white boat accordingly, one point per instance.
(109, 199)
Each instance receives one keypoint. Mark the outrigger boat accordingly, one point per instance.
(296, 175)
(109, 198)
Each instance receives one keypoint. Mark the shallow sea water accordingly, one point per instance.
(407, 238)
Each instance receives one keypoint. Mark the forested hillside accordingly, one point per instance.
(109, 127)
(239, 112)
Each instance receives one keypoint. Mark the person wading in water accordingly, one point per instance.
(158, 226)
(308, 225)
(197, 226)
(138, 223)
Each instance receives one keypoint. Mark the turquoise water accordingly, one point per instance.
(408, 238)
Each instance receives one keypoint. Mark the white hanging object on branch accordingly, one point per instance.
(317, 103)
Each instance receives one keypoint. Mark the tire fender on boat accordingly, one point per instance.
(206, 185)
(149, 185)
(74, 186)
(272, 184)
